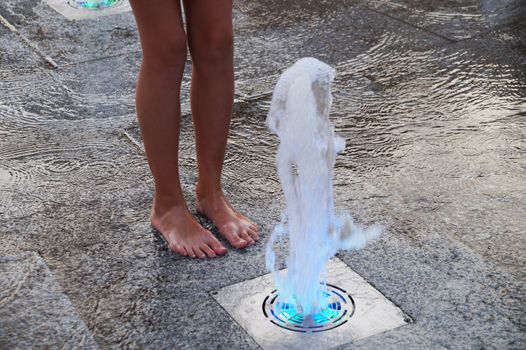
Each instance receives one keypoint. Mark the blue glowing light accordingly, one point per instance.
(287, 314)
(96, 4)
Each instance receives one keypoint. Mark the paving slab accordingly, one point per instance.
(100, 89)
(68, 41)
(108, 82)
(34, 311)
(454, 20)
(483, 136)
(15, 55)
(333, 32)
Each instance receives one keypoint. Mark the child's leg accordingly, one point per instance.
(210, 37)
(163, 43)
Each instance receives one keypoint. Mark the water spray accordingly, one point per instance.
(299, 116)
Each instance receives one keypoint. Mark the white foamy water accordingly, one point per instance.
(299, 116)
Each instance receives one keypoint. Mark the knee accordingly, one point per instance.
(213, 47)
(168, 56)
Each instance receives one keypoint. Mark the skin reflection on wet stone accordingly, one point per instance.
(435, 153)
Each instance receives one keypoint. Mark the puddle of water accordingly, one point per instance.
(436, 134)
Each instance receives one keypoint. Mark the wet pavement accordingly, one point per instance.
(430, 96)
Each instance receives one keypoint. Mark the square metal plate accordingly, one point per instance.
(373, 313)
(67, 9)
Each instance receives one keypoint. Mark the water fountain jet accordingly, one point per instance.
(299, 116)
(318, 302)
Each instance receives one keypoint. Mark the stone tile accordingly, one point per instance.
(366, 314)
(72, 41)
(338, 34)
(98, 89)
(456, 20)
(34, 311)
(15, 55)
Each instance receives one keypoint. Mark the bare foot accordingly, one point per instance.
(237, 229)
(184, 234)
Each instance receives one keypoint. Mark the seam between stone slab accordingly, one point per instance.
(480, 34)
(408, 318)
(95, 59)
(138, 144)
(29, 43)
(211, 293)
(38, 260)
(409, 24)
(262, 95)
(135, 142)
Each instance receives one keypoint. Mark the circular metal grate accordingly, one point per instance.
(93, 4)
(340, 308)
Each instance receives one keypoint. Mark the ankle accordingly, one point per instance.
(207, 191)
(163, 204)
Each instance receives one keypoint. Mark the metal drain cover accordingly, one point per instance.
(93, 4)
(89, 9)
(284, 314)
(355, 310)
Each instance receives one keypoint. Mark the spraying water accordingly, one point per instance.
(299, 116)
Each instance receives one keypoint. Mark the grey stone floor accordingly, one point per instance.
(430, 95)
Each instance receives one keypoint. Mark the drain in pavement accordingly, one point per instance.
(88, 9)
(93, 4)
(285, 314)
(354, 310)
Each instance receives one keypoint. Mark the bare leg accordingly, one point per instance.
(163, 43)
(210, 37)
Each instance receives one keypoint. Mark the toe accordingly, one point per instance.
(189, 252)
(177, 248)
(253, 227)
(208, 251)
(253, 234)
(237, 241)
(244, 235)
(198, 252)
(216, 246)
(233, 237)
